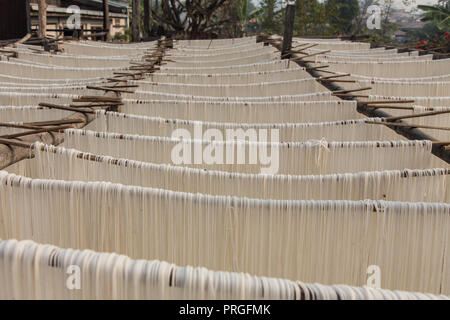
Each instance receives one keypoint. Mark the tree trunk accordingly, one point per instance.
(147, 17)
(106, 23)
(42, 18)
(270, 8)
(136, 20)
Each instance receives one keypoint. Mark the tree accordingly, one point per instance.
(434, 34)
(147, 17)
(247, 11)
(272, 16)
(192, 16)
(136, 21)
(236, 11)
(342, 15)
(242, 13)
(438, 14)
(310, 18)
(251, 6)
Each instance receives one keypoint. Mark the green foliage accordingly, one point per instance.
(425, 33)
(272, 16)
(311, 18)
(247, 11)
(126, 37)
(385, 34)
(242, 10)
(434, 35)
(251, 6)
(439, 15)
(342, 15)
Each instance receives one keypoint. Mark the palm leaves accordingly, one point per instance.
(440, 15)
(242, 8)
(244, 13)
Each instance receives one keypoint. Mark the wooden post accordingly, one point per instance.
(106, 23)
(42, 18)
(288, 29)
(136, 15)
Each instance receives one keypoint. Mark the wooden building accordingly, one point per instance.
(14, 19)
(91, 14)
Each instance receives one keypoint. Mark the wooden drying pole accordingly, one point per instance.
(304, 48)
(288, 28)
(38, 124)
(15, 143)
(54, 122)
(341, 92)
(309, 55)
(36, 131)
(377, 106)
(102, 99)
(381, 104)
(333, 78)
(117, 80)
(350, 95)
(386, 101)
(97, 105)
(17, 148)
(18, 126)
(108, 89)
(370, 109)
(409, 131)
(410, 125)
(440, 143)
(318, 67)
(12, 151)
(60, 107)
(417, 115)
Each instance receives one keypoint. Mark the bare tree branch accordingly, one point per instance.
(194, 16)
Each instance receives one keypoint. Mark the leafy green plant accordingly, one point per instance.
(438, 14)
